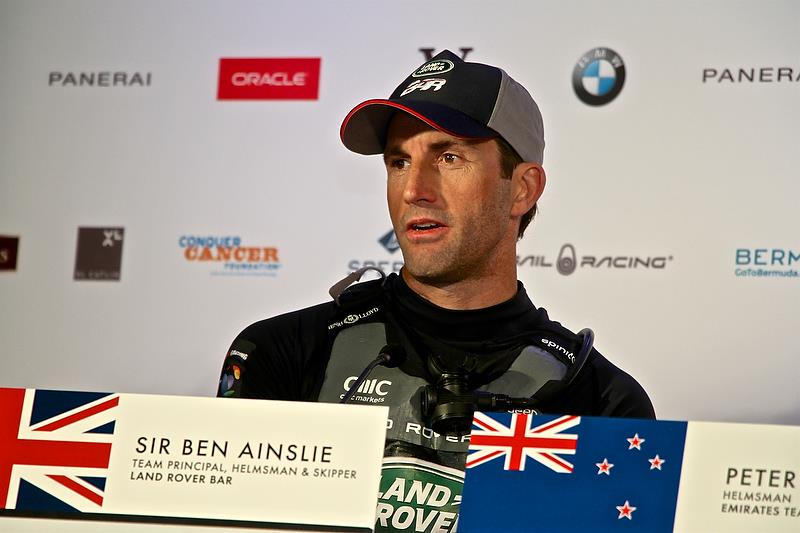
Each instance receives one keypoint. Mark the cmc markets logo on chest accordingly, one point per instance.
(228, 255)
(104, 78)
(269, 78)
(598, 76)
(8, 252)
(568, 261)
(99, 254)
(387, 264)
(767, 263)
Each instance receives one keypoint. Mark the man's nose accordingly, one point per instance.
(422, 185)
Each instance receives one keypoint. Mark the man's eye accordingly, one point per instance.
(449, 158)
(399, 164)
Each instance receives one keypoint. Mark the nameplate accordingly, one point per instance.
(569, 473)
(229, 462)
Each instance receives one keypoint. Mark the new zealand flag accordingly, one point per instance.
(54, 449)
(621, 474)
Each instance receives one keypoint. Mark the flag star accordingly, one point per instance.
(625, 511)
(656, 462)
(604, 467)
(635, 442)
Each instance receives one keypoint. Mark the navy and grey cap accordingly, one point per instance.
(463, 99)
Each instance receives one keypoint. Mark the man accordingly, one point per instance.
(462, 145)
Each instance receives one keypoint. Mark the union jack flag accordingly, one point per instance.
(544, 443)
(54, 449)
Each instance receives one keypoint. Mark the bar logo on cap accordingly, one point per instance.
(424, 85)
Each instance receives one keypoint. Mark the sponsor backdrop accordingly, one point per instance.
(170, 174)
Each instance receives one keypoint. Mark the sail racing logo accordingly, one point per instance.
(568, 261)
(767, 263)
(230, 256)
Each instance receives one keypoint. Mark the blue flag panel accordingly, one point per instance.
(548, 473)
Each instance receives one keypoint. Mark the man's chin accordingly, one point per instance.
(428, 274)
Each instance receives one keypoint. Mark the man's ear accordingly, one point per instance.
(528, 181)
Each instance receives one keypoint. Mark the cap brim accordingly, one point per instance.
(364, 129)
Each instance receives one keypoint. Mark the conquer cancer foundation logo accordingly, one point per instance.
(230, 255)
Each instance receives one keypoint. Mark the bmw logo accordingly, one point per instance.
(598, 76)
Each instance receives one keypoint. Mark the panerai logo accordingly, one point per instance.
(751, 75)
(100, 79)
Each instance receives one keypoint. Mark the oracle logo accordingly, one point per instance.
(242, 79)
(269, 78)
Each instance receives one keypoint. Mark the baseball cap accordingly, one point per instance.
(460, 98)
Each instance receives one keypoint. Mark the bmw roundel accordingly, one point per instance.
(598, 76)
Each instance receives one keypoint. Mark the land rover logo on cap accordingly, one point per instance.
(433, 67)
(598, 76)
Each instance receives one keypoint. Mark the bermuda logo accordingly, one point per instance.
(424, 85)
(768, 262)
(440, 66)
(598, 76)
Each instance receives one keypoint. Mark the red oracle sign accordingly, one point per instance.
(288, 78)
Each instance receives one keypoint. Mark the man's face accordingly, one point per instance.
(449, 203)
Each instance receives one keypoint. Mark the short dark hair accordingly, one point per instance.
(509, 159)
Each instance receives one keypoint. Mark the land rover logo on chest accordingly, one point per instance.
(430, 68)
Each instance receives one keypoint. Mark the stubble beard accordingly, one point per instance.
(436, 268)
(456, 261)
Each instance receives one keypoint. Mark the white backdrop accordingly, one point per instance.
(674, 167)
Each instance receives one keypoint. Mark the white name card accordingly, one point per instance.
(227, 462)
